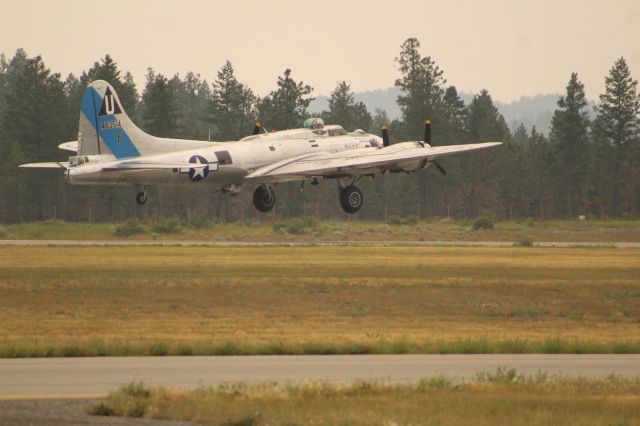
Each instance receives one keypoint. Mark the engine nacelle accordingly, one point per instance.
(411, 166)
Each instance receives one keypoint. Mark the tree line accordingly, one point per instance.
(583, 167)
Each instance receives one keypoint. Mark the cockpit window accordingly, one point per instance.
(223, 158)
(337, 132)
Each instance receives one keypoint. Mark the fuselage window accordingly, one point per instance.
(223, 158)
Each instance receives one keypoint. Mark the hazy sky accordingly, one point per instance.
(511, 47)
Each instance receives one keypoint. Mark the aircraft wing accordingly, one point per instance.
(49, 165)
(346, 163)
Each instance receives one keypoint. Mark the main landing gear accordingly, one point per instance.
(264, 198)
(141, 198)
(351, 199)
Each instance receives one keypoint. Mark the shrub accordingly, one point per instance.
(484, 221)
(130, 227)
(167, 225)
(524, 241)
(3, 232)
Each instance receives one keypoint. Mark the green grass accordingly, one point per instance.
(500, 397)
(100, 347)
(311, 229)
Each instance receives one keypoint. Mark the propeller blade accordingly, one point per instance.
(440, 168)
(257, 128)
(427, 131)
(385, 136)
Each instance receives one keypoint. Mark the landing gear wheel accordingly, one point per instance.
(351, 199)
(264, 198)
(141, 197)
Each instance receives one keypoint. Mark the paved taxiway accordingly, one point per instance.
(34, 378)
(199, 243)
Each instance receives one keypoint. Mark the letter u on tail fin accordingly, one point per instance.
(104, 126)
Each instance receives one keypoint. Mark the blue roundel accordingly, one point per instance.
(199, 173)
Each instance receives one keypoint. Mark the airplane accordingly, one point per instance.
(112, 150)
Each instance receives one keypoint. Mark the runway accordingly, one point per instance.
(37, 378)
(205, 243)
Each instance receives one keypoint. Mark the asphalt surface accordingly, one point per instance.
(37, 378)
(199, 243)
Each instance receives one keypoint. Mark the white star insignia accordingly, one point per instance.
(198, 171)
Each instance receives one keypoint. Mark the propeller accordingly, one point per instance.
(427, 131)
(257, 128)
(427, 140)
(385, 136)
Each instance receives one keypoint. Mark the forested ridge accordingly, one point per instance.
(583, 167)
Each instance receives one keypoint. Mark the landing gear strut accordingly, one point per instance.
(264, 198)
(351, 199)
(141, 197)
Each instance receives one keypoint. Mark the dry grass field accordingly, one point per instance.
(501, 398)
(63, 301)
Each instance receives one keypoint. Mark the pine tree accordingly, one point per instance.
(344, 110)
(33, 118)
(107, 70)
(286, 107)
(481, 180)
(420, 98)
(617, 126)
(421, 88)
(361, 117)
(341, 103)
(159, 108)
(569, 138)
(232, 105)
(192, 96)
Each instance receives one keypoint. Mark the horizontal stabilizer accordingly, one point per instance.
(69, 146)
(51, 165)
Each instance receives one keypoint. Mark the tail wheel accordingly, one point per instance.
(264, 198)
(351, 199)
(141, 198)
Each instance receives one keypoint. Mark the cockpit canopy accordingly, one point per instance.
(313, 123)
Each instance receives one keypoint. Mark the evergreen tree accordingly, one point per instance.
(192, 96)
(341, 104)
(361, 117)
(286, 107)
(420, 98)
(159, 108)
(33, 118)
(420, 86)
(480, 189)
(107, 70)
(232, 105)
(569, 138)
(344, 110)
(617, 126)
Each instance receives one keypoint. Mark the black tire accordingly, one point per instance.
(264, 199)
(351, 199)
(141, 198)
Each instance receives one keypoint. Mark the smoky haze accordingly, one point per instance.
(510, 48)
